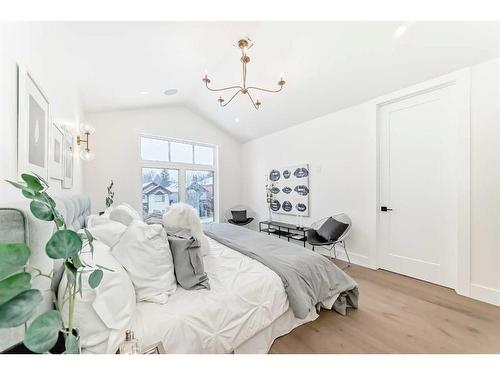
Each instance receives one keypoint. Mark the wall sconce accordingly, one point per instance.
(86, 154)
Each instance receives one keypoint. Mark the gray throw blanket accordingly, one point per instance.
(309, 278)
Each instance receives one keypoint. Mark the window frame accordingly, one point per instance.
(181, 167)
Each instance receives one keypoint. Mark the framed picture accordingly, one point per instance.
(290, 190)
(33, 126)
(56, 152)
(67, 182)
(157, 348)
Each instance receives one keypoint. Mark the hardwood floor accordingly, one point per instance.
(398, 314)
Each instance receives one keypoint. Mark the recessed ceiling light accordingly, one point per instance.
(236, 119)
(170, 92)
(144, 92)
(401, 30)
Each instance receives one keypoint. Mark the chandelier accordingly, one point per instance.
(244, 44)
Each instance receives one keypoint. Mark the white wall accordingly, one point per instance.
(24, 44)
(116, 144)
(341, 151)
(485, 181)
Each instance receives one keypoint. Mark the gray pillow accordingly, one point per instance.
(239, 216)
(332, 229)
(188, 262)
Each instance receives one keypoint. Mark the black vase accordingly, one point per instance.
(58, 348)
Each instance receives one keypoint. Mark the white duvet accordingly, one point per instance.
(245, 298)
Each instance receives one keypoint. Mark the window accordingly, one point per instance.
(160, 189)
(203, 155)
(154, 149)
(159, 197)
(178, 171)
(200, 193)
(181, 152)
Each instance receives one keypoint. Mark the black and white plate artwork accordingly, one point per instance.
(291, 190)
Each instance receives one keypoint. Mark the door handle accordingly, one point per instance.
(384, 209)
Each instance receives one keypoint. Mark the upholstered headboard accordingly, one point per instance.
(17, 224)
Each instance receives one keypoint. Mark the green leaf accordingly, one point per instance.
(42, 180)
(63, 244)
(70, 272)
(48, 199)
(41, 211)
(42, 334)
(71, 344)
(13, 257)
(14, 285)
(19, 309)
(18, 185)
(89, 235)
(27, 192)
(95, 278)
(76, 261)
(32, 181)
(90, 238)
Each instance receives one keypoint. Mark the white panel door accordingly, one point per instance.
(418, 185)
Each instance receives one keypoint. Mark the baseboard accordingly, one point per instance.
(485, 294)
(356, 258)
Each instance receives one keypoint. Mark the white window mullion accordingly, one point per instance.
(182, 185)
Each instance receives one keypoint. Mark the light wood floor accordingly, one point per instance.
(398, 314)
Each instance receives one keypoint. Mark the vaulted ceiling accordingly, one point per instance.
(327, 65)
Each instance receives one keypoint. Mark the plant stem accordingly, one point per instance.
(71, 307)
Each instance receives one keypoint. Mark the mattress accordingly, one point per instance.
(244, 300)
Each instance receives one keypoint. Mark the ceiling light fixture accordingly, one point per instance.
(401, 30)
(244, 44)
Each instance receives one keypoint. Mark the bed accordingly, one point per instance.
(244, 311)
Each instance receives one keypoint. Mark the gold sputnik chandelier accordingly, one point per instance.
(244, 44)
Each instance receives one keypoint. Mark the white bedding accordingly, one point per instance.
(245, 298)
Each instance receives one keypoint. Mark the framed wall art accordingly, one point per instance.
(68, 160)
(33, 126)
(290, 190)
(56, 152)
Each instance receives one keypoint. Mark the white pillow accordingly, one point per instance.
(144, 252)
(125, 214)
(104, 314)
(105, 230)
(184, 216)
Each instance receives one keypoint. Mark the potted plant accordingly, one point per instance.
(111, 195)
(18, 300)
(269, 198)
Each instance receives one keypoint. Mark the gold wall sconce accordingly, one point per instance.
(86, 154)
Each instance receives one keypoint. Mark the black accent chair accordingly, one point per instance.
(238, 216)
(314, 239)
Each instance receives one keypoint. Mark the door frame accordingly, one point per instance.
(460, 80)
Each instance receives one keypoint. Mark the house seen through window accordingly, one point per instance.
(177, 171)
